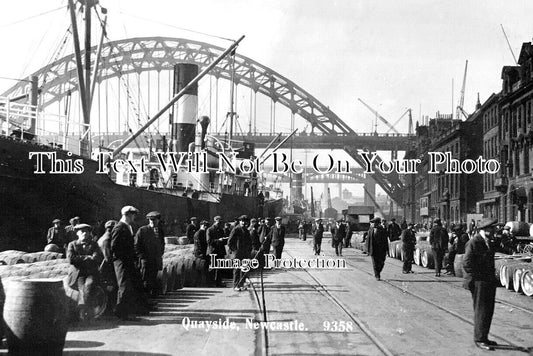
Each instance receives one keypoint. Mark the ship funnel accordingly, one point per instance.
(185, 110)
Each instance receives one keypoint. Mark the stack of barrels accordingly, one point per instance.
(181, 269)
(515, 272)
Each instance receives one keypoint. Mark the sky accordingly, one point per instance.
(392, 54)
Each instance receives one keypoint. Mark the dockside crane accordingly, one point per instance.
(460, 110)
(378, 116)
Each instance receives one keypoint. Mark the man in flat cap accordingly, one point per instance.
(377, 245)
(408, 238)
(149, 245)
(480, 279)
(240, 247)
(85, 257)
(278, 237)
(200, 241)
(318, 233)
(216, 246)
(338, 238)
(191, 229)
(107, 271)
(70, 232)
(438, 239)
(57, 235)
(129, 299)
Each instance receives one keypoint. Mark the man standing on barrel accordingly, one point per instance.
(479, 278)
(377, 245)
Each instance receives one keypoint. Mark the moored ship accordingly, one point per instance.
(30, 200)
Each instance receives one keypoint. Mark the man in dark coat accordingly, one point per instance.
(479, 278)
(408, 245)
(122, 247)
(216, 246)
(191, 230)
(318, 233)
(278, 237)
(57, 235)
(394, 230)
(85, 257)
(377, 245)
(340, 234)
(200, 241)
(240, 247)
(438, 239)
(254, 235)
(149, 247)
(348, 238)
(265, 237)
(70, 232)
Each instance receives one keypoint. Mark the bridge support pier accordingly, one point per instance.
(370, 190)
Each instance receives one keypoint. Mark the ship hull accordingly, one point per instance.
(29, 201)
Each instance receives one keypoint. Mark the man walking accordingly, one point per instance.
(377, 246)
(408, 246)
(318, 233)
(278, 237)
(216, 246)
(340, 234)
(479, 278)
(438, 239)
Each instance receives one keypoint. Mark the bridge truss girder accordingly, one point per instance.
(137, 55)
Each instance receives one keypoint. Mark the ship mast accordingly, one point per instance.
(84, 79)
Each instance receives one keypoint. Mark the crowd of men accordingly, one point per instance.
(125, 262)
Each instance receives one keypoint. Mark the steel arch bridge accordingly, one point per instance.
(137, 55)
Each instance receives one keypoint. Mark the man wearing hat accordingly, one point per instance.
(200, 241)
(215, 246)
(318, 233)
(377, 245)
(408, 238)
(265, 236)
(122, 248)
(191, 230)
(240, 247)
(70, 232)
(107, 271)
(479, 278)
(394, 230)
(85, 257)
(278, 237)
(438, 239)
(340, 234)
(254, 235)
(56, 235)
(149, 245)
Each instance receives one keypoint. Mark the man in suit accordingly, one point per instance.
(240, 247)
(377, 245)
(479, 278)
(191, 230)
(394, 230)
(149, 247)
(408, 238)
(216, 246)
(438, 239)
(278, 237)
(128, 280)
(318, 233)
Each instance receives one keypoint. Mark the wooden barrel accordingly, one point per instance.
(171, 274)
(52, 248)
(526, 281)
(421, 236)
(98, 302)
(180, 273)
(162, 281)
(507, 272)
(11, 259)
(458, 265)
(427, 258)
(399, 250)
(517, 276)
(190, 271)
(171, 240)
(416, 255)
(518, 228)
(183, 240)
(35, 314)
